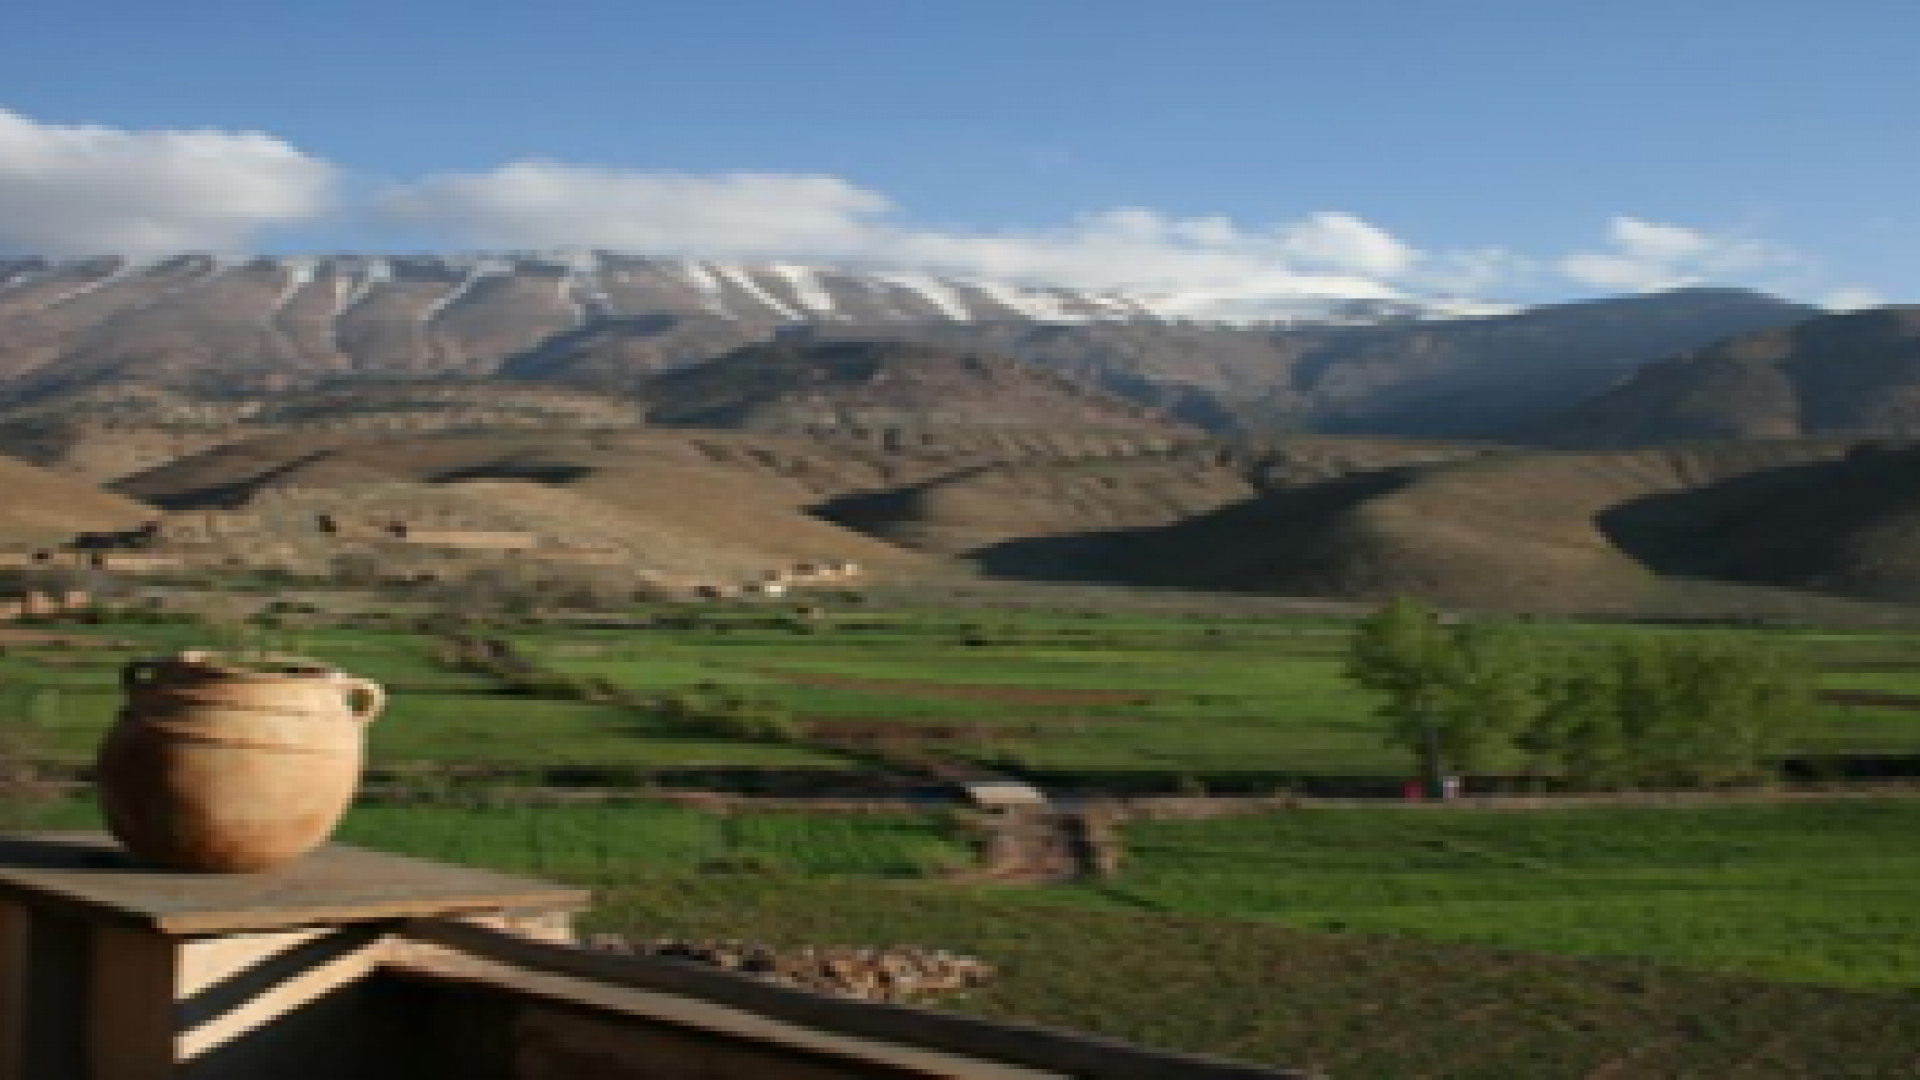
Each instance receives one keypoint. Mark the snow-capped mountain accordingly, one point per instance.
(260, 323)
(1232, 358)
(583, 285)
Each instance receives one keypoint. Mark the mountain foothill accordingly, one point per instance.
(1699, 449)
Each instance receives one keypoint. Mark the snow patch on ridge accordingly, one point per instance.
(121, 268)
(1037, 306)
(364, 275)
(932, 290)
(703, 279)
(479, 269)
(739, 276)
(567, 291)
(300, 273)
(807, 288)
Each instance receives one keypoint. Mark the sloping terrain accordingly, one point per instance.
(36, 505)
(1065, 517)
(1550, 531)
(782, 387)
(1460, 378)
(672, 505)
(1471, 524)
(1851, 374)
(113, 431)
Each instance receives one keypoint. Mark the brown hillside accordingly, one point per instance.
(677, 505)
(1074, 517)
(1520, 530)
(36, 504)
(1562, 531)
(115, 430)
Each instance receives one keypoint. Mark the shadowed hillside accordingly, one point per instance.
(864, 384)
(1539, 531)
(1851, 374)
(1058, 517)
(1463, 378)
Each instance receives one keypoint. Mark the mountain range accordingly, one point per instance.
(696, 420)
(599, 321)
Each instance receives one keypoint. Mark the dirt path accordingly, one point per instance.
(1029, 847)
(1046, 845)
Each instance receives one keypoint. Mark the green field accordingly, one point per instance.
(1319, 938)
(1121, 700)
(1811, 892)
(1752, 941)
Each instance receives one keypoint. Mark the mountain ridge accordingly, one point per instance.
(1854, 373)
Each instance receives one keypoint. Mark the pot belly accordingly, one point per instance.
(227, 794)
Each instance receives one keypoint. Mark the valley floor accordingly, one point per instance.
(1748, 940)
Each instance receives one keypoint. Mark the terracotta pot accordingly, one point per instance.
(220, 764)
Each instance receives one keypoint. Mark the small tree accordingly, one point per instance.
(1488, 697)
(1402, 651)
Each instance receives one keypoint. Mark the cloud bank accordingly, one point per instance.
(1642, 256)
(538, 204)
(88, 190)
(95, 190)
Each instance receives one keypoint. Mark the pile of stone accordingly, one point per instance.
(896, 973)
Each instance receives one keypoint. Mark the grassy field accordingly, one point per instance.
(1239, 703)
(1819, 893)
(1189, 949)
(1751, 941)
(1353, 1005)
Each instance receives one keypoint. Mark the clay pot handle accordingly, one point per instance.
(138, 673)
(372, 694)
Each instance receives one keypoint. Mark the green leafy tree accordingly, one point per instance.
(1643, 711)
(1673, 711)
(1488, 697)
(1403, 652)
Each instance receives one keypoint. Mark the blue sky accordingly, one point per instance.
(1510, 149)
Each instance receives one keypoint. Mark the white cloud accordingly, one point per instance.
(84, 190)
(540, 204)
(552, 205)
(1644, 256)
(1344, 242)
(1484, 271)
(1852, 298)
(95, 190)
